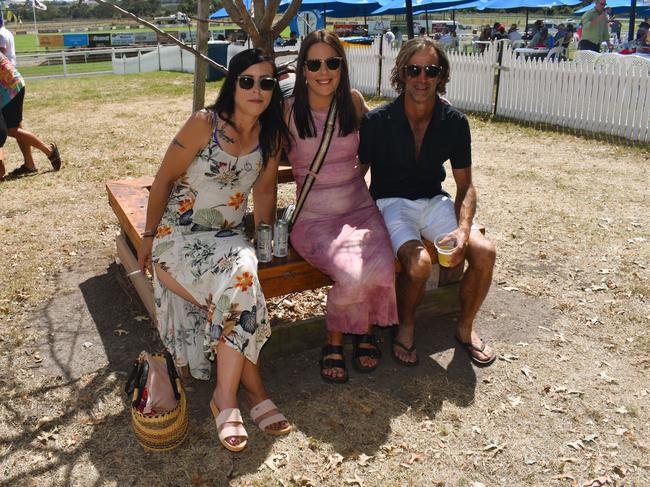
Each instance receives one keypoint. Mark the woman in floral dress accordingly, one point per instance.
(207, 294)
(339, 230)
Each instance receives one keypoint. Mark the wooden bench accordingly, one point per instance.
(129, 197)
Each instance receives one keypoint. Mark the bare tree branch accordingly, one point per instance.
(267, 21)
(164, 34)
(260, 11)
(238, 14)
(286, 18)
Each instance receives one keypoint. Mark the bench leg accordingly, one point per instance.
(141, 283)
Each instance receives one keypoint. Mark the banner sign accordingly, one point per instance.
(75, 40)
(50, 40)
(122, 39)
(99, 40)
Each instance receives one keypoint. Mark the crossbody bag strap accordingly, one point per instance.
(317, 162)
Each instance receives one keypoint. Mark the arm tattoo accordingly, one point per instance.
(177, 143)
(221, 133)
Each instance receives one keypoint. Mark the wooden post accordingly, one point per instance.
(200, 68)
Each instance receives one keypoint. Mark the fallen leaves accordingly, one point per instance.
(274, 462)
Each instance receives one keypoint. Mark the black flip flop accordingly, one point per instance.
(55, 157)
(359, 352)
(469, 348)
(395, 342)
(332, 363)
(21, 171)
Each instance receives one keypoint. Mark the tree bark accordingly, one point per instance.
(200, 69)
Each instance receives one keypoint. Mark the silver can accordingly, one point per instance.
(263, 245)
(280, 238)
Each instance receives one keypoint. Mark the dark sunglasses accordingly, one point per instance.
(247, 83)
(332, 63)
(431, 70)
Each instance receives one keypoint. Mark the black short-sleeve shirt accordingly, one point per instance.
(388, 146)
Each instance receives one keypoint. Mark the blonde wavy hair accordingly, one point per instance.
(409, 48)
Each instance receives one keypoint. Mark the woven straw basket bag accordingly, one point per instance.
(158, 432)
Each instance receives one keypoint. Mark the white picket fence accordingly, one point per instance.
(610, 97)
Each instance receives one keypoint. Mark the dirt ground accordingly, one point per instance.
(566, 404)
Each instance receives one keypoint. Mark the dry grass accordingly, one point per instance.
(566, 404)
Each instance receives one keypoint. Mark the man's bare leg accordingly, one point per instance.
(416, 268)
(480, 255)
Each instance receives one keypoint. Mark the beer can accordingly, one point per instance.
(280, 238)
(263, 247)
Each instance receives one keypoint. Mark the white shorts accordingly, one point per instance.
(411, 220)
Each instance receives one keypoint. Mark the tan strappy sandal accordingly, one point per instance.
(263, 408)
(230, 415)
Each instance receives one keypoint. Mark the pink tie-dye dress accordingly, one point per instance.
(341, 232)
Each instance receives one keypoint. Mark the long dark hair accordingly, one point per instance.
(347, 115)
(273, 129)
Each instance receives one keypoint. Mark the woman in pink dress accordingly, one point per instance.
(339, 230)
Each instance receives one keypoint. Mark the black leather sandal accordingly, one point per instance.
(359, 352)
(333, 363)
(55, 157)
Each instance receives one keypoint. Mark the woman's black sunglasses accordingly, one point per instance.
(431, 70)
(247, 83)
(332, 63)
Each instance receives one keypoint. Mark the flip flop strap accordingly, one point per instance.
(275, 418)
(410, 349)
(473, 347)
(262, 408)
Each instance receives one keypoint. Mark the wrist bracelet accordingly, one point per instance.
(148, 233)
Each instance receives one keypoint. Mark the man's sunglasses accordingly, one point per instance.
(414, 70)
(247, 83)
(332, 63)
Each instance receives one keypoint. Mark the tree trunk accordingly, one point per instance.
(267, 41)
(200, 68)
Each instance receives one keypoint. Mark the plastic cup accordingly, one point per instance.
(445, 249)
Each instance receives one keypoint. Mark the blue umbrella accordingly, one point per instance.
(221, 14)
(396, 7)
(619, 7)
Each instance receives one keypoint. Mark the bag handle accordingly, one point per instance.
(317, 162)
(173, 375)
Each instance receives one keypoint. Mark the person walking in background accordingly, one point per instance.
(594, 28)
(8, 48)
(207, 294)
(339, 230)
(12, 96)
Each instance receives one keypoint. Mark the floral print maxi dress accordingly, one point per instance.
(200, 241)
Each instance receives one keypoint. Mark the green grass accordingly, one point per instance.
(55, 92)
(55, 69)
(25, 42)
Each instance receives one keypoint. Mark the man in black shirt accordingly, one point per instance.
(406, 144)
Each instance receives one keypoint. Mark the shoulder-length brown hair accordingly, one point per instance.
(408, 49)
(302, 117)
